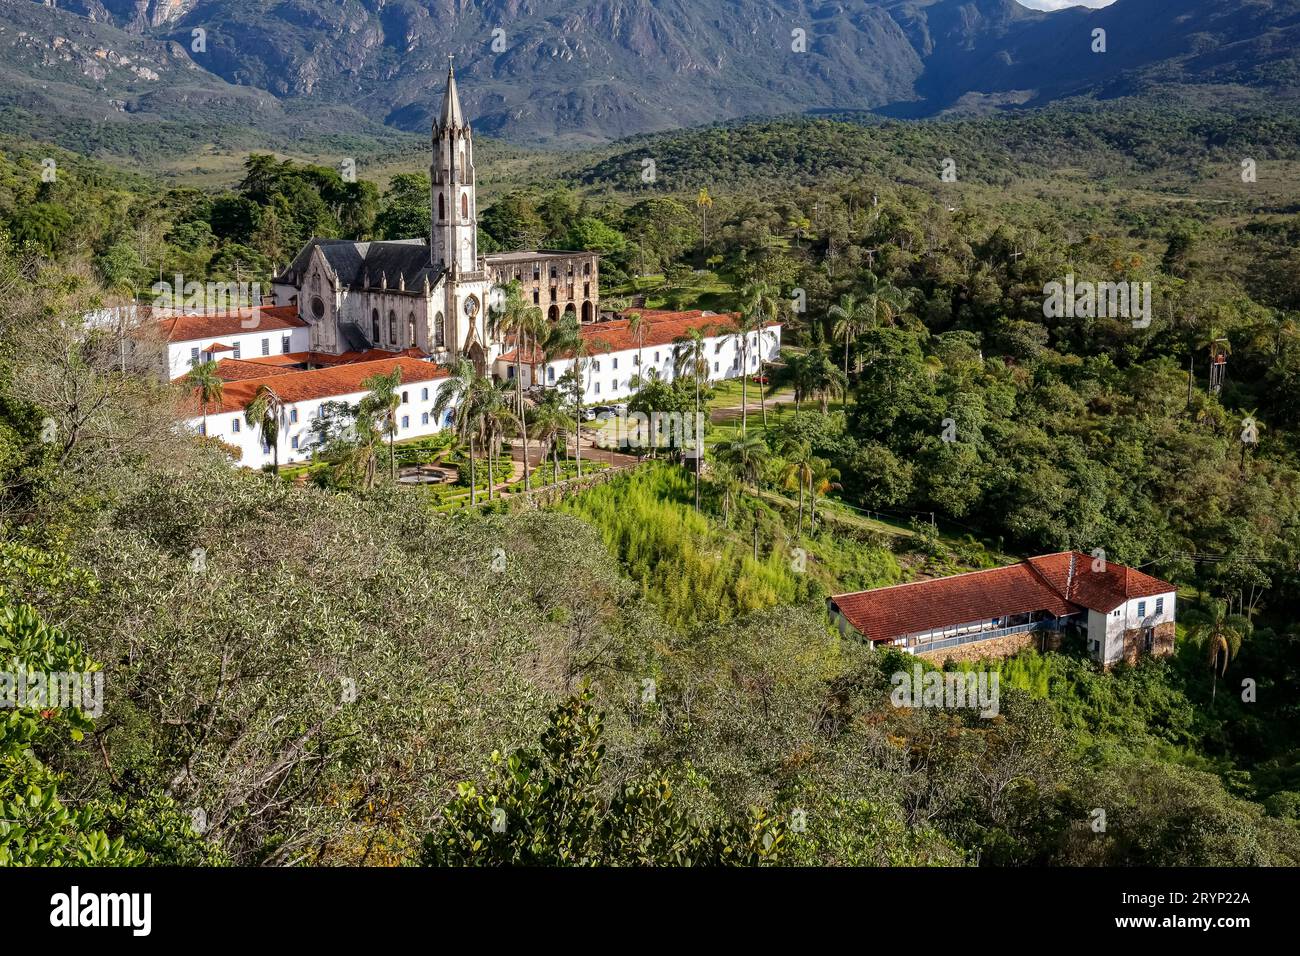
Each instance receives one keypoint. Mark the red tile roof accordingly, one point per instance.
(1035, 584)
(180, 327)
(219, 347)
(660, 328)
(324, 382)
(234, 370)
(1102, 590)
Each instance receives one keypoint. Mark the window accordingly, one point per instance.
(586, 268)
(535, 297)
(598, 388)
(552, 272)
(235, 352)
(284, 345)
(656, 358)
(374, 326)
(424, 394)
(715, 368)
(636, 360)
(438, 336)
(1149, 637)
(1160, 605)
(1115, 613)
(410, 329)
(424, 418)
(406, 421)
(1142, 608)
(550, 374)
(203, 428)
(464, 205)
(613, 386)
(194, 355)
(293, 443)
(266, 346)
(552, 293)
(293, 416)
(442, 207)
(266, 448)
(234, 426)
(615, 363)
(510, 371)
(405, 397)
(392, 327)
(586, 290)
(596, 365)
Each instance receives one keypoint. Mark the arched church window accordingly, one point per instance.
(464, 205)
(442, 207)
(374, 326)
(315, 282)
(439, 339)
(410, 329)
(392, 327)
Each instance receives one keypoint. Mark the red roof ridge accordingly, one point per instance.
(942, 577)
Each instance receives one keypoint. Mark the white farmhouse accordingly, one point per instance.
(1121, 612)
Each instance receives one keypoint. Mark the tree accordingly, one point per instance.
(380, 404)
(691, 361)
(1220, 639)
(798, 471)
(545, 807)
(760, 302)
(824, 479)
(209, 385)
(566, 339)
(525, 324)
(549, 421)
(264, 412)
(746, 455)
(851, 317)
(460, 393)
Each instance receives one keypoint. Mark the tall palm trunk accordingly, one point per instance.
(699, 441)
(473, 476)
(744, 393)
(801, 504)
(523, 418)
(392, 452)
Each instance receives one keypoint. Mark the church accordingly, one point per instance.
(432, 295)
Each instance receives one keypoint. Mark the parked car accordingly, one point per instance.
(759, 379)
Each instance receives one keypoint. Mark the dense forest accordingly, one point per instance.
(324, 673)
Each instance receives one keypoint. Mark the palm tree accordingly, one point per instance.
(759, 301)
(851, 318)
(524, 323)
(746, 455)
(824, 479)
(797, 366)
(264, 412)
(459, 392)
(208, 384)
(823, 377)
(798, 471)
(1220, 638)
(638, 325)
(1251, 427)
(566, 339)
(691, 359)
(380, 404)
(550, 420)
(496, 415)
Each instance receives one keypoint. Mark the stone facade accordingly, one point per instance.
(1162, 644)
(555, 282)
(1007, 646)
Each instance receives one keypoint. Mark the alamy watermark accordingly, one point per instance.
(44, 690)
(977, 690)
(680, 430)
(207, 296)
(1116, 300)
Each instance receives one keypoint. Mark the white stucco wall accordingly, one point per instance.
(231, 427)
(180, 355)
(1109, 629)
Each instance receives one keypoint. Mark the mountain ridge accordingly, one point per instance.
(584, 71)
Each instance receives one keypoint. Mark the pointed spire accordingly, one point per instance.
(451, 114)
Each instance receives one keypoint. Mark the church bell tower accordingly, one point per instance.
(453, 242)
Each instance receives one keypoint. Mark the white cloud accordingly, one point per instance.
(1062, 4)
